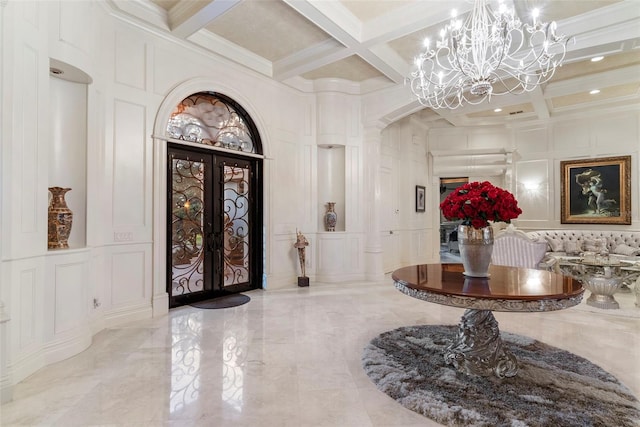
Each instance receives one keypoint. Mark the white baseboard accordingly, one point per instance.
(275, 282)
(26, 365)
(160, 304)
(339, 277)
(67, 345)
(6, 388)
(62, 347)
(128, 314)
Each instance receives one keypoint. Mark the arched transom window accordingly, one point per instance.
(214, 119)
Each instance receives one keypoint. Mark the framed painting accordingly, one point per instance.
(596, 191)
(420, 198)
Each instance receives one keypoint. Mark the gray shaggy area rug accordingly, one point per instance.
(552, 388)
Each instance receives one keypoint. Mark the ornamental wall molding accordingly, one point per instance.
(481, 162)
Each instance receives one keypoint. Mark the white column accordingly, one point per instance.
(374, 269)
(160, 302)
(6, 387)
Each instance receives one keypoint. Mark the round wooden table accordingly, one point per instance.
(477, 348)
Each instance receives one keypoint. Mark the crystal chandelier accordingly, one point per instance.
(489, 54)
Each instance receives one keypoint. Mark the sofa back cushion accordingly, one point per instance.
(597, 244)
(613, 238)
(623, 249)
(573, 247)
(555, 245)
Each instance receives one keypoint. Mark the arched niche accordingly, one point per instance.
(68, 100)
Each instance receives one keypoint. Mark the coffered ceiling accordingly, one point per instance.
(373, 42)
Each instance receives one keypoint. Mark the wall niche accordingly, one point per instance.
(68, 138)
(331, 183)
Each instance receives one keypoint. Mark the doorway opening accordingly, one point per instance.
(214, 226)
(214, 244)
(449, 251)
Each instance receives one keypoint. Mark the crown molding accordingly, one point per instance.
(146, 11)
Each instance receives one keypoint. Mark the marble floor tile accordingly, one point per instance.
(287, 358)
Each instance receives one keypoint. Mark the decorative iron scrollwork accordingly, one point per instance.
(187, 226)
(236, 224)
(208, 119)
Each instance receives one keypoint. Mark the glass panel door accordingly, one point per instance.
(214, 230)
(188, 232)
(240, 225)
(237, 240)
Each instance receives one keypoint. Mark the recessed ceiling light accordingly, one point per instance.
(497, 110)
(595, 91)
(597, 58)
(55, 71)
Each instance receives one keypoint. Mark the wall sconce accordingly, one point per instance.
(531, 188)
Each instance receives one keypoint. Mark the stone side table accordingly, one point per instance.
(602, 278)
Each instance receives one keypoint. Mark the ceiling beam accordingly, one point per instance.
(539, 103)
(186, 17)
(339, 23)
(223, 47)
(601, 19)
(410, 19)
(309, 59)
(324, 16)
(397, 64)
(600, 80)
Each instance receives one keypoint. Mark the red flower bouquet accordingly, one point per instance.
(477, 203)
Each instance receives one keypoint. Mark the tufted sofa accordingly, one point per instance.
(625, 244)
(562, 243)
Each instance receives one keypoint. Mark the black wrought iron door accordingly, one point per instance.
(214, 229)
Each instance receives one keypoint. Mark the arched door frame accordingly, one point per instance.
(160, 298)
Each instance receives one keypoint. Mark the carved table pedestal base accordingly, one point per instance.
(478, 348)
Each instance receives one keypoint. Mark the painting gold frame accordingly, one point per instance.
(596, 191)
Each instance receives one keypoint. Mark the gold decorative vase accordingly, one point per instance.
(476, 247)
(60, 219)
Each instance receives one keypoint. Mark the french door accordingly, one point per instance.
(213, 224)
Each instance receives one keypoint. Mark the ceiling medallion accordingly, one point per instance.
(491, 53)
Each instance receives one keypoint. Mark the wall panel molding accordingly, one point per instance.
(27, 319)
(129, 276)
(70, 296)
(130, 60)
(129, 169)
(29, 175)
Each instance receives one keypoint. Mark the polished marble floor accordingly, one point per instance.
(287, 358)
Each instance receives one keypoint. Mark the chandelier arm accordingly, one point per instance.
(503, 51)
(545, 51)
(477, 59)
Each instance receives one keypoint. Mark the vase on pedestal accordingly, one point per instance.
(476, 247)
(60, 219)
(330, 217)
